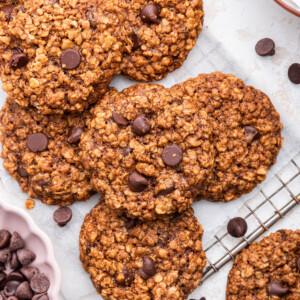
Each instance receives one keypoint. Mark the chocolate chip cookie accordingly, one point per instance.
(269, 269)
(128, 259)
(147, 152)
(60, 55)
(41, 153)
(246, 133)
(162, 32)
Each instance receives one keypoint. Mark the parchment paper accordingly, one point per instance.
(208, 55)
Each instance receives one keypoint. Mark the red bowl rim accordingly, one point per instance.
(285, 6)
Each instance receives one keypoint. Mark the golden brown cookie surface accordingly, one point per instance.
(147, 153)
(268, 269)
(128, 259)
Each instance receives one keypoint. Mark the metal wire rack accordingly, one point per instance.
(279, 196)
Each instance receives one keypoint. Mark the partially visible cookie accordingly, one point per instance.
(128, 259)
(41, 153)
(268, 269)
(163, 32)
(246, 133)
(147, 152)
(60, 55)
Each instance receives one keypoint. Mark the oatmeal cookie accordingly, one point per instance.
(246, 133)
(128, 259)
(163, 32)
(41, 153)
(60, 55)
(147, 153)
(269, 269)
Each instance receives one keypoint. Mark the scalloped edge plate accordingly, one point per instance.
(15, 219)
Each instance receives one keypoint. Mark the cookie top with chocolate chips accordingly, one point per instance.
(147, 152)
(41, 153)
(268, 269)
(246, 133)
(160, 259)
(162, 32)
(60, 55)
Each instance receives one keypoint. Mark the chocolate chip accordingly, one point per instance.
(126, 151)
(141, 126)
(5, 255)
(237, 227)
(298, 263)
(128, 277)
(150, 13)
(148, 269)
(40, 297)
(22, 171)
(15, 276)
(40, 283)
(129, 223)
(75, 134)
(29, 272)
(283, 234)
(169, 189)
(4, 238)
(294, 73)
(2, 277)
(16, 242)
(37, 142)
(10, 288)
(18, 60)
(136, 41)
(8, 9)
(137, 182)
(70, 59)
(119, 119)
(24, 291)
(276, 289)
(12, 298)
(172, 155)
(25, 257)
(14, 263)
(265, 47)
(62, 216)
(251, 134)
(2, 266)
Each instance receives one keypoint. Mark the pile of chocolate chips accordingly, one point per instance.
(22, 282)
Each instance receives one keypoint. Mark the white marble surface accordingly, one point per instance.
(232, 27)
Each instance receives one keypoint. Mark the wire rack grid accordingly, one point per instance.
(279, 196)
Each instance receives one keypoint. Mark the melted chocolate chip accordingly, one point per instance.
(75, 134)
(128, 277)
(298, 263)
(22, 172)
(137, 182)
(150, 14)
(276, 289)
(126, 151)
(18, 60)
(169, 189)
(251, 134)
(237, 227)
(141, 126)
(136, 41)
(37, 142)
(148, 269)
(70, 59)
(283, 234)
(172, 155)
(8, 9)
(129, 223)
(119, 119)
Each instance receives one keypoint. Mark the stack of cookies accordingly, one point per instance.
(149, 151)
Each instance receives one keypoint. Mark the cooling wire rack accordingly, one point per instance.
(272, 202)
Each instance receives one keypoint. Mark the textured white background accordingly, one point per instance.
(232, 27)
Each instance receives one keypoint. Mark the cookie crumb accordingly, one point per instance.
(29, 204)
